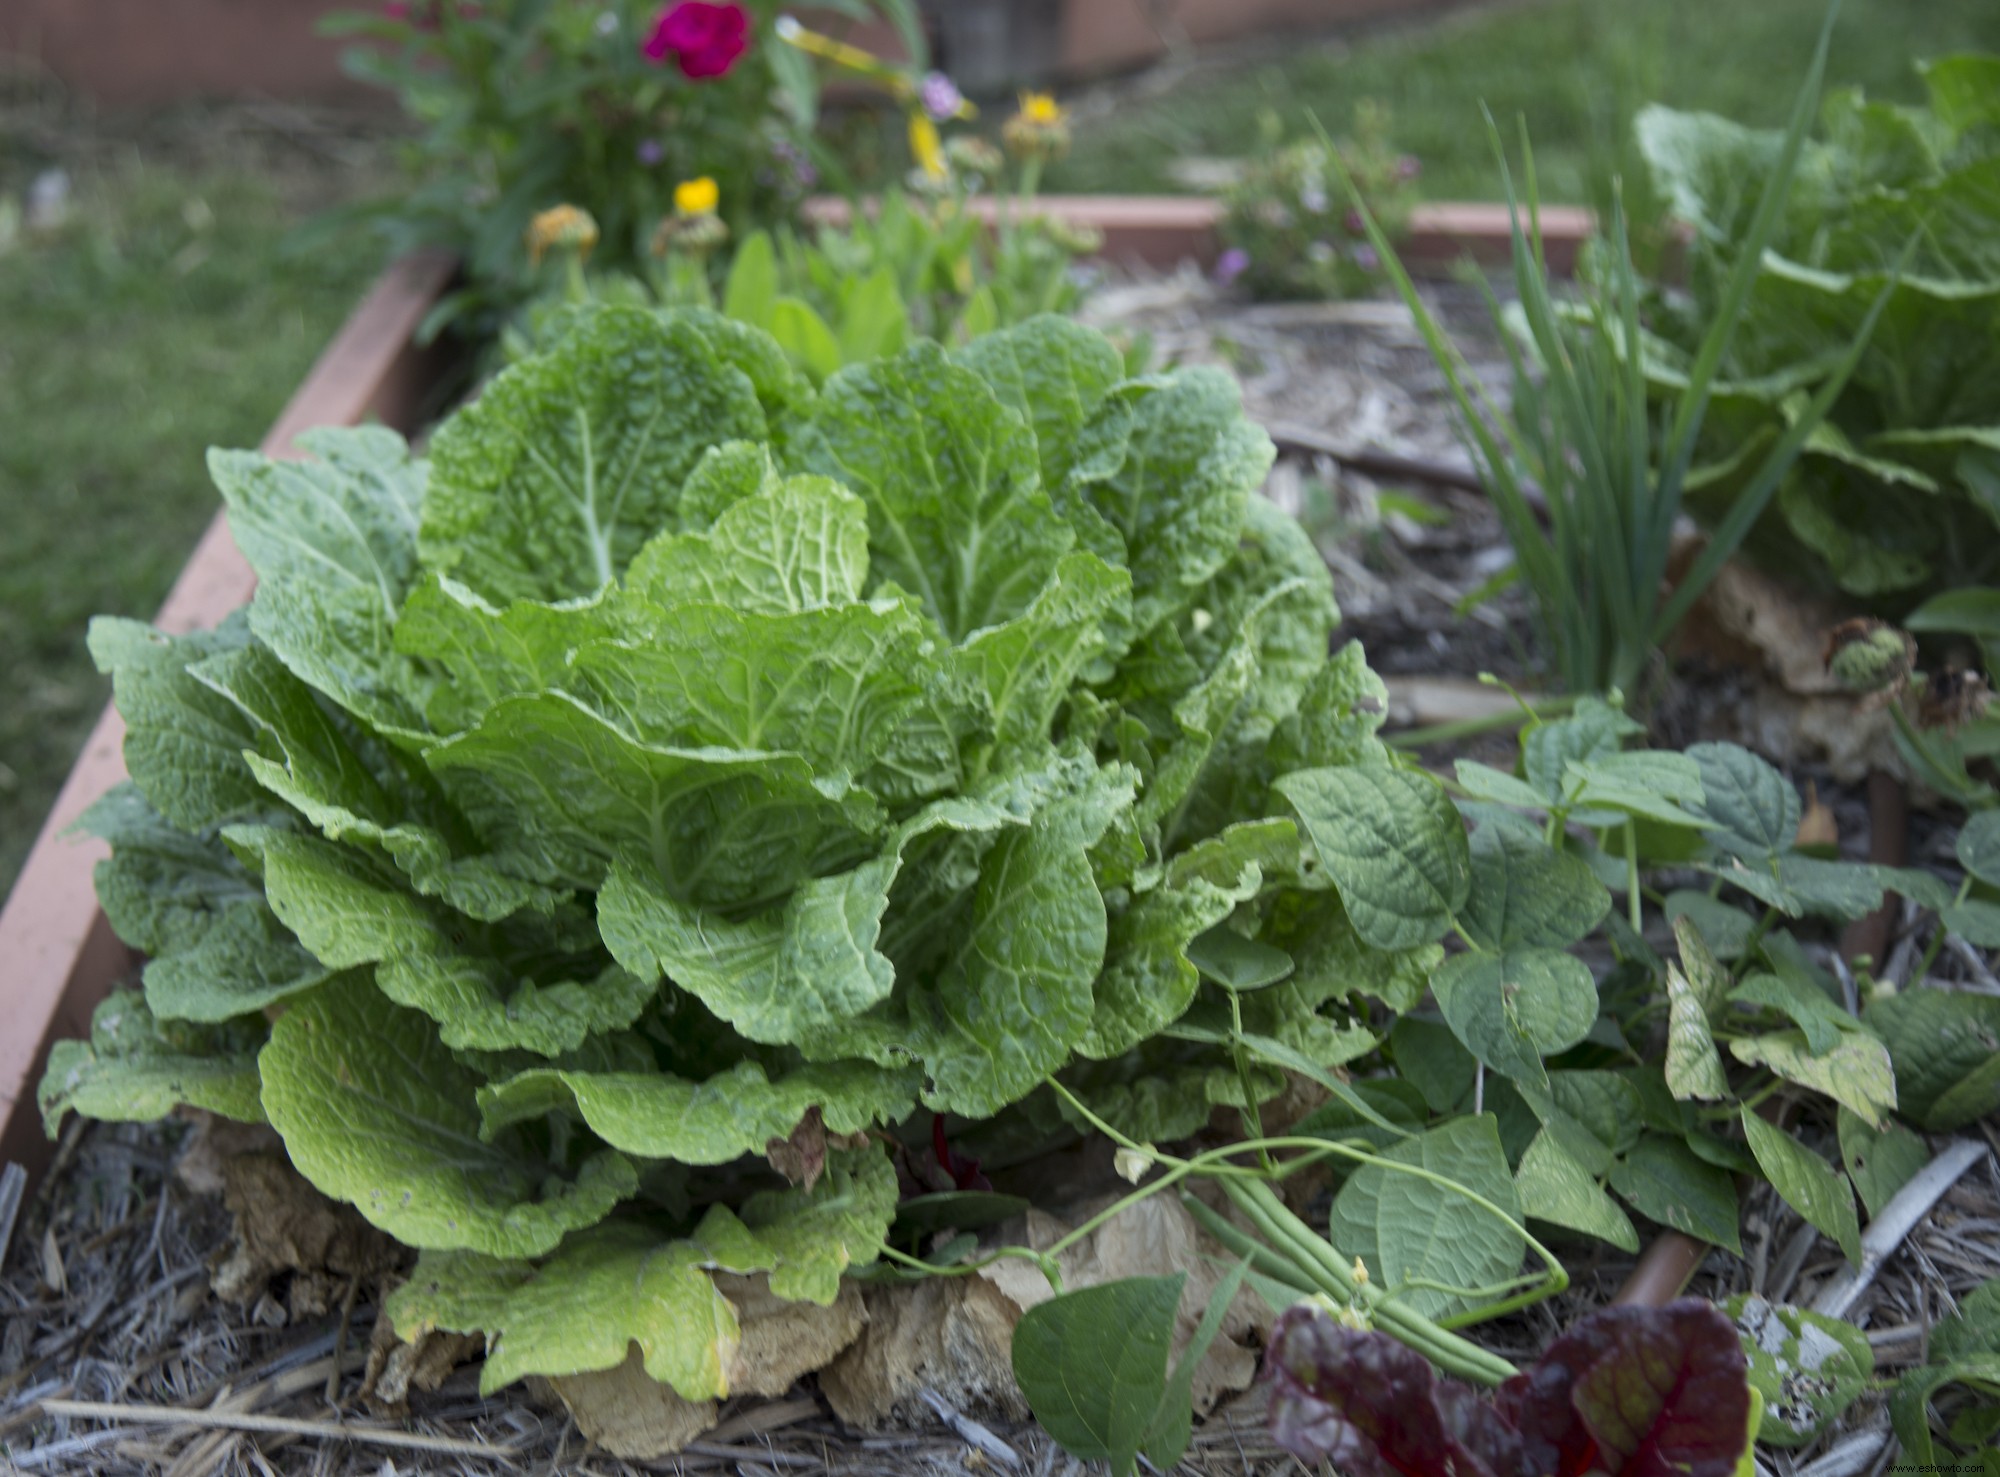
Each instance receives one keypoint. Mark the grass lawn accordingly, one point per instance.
(160, 320)
(1576, 69)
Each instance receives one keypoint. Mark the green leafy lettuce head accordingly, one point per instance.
(680, 760)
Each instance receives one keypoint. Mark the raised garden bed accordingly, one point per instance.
(381, 379)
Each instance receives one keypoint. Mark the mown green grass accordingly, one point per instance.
(161, 320)
(1575, 69)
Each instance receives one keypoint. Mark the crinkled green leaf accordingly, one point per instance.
(798, 971)
(1856, 1072)
(184, 743)
(334, 542)
(375, 1111)
(489, 653)
(796, 546)
(488, 987)
(216, 949)
(1946, 1050)
(1809, 1368)
(1726, 930)
(1555, 1188)
(1663, 1178)
(956, 511)
(621, 1283)
(1055, 373)
(1816, 1191)
(1652, 785)
(545, 486)
(358, 790)
(1879, 1162)
(1027, 665)
(1405, 1227)
(136, 1068)
(1010, 996)
(1340, 712)
(1168, 464)
(1149, 978)
(1704, 972)
(1393, 844)
(1527, 894)
(1976, 921)
(1483, 782)
(1511, 1010)
(657, 1116)
(565, 791)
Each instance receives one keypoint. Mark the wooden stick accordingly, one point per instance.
(13, 1185)
(971, 1432)
(173, 1415)
(1899, 1217)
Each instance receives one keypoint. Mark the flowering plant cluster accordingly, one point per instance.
(1294, 231)
(606, 105)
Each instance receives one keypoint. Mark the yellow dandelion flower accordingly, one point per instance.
(696, 196)
(1041, 108)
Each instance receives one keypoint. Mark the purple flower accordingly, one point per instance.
(650, 152)
(1409, 167)
(940, 96)
(1355, 225)
(1232, 264)
(1366, 259)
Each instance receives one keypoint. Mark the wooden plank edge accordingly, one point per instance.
(1162, 231)
(60, 956)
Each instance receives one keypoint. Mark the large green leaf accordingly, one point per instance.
(1856, 1072)
(375, 1111)
(488, 987)
(546, 485)
(136, 1068)
(1663, 1178)
(1339, 713)
(793, 546)
(795, 972)
(1754, 812)
(1526, 894)
(1026, 666)
(1093, 1364)
(334, 544)
(1402, 1226)
(359, 791)
(1553, 1187)
(184, 743)
(1879, 1163)
(1148, 979)
(489, 653)
(621, 1283)
(565, 790)
(1511, 1010)
(656, 1116)
(1393, 845)
(1167, 465)
(956, 511)
(1331, 959)
(1812, 1188)
(1055, 373)
(1008, 996)
(1946, 1050)
(215, 948)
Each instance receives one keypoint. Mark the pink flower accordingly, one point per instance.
(1232, 264)
(940, 97)
(704, 40)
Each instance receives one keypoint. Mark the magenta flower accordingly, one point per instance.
(704, 40)
(1232, 264)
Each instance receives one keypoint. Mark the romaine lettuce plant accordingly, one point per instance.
(680, 764)
(1897, 495)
